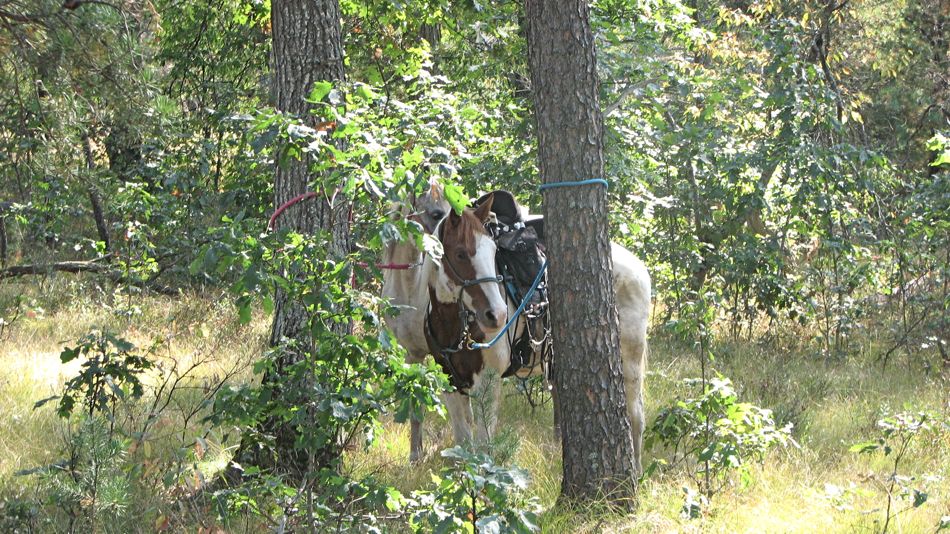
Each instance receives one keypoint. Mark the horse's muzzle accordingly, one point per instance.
(493, 319)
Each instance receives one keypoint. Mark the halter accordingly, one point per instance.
(466, 283)
(466, 317)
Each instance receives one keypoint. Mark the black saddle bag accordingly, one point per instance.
(519, 258)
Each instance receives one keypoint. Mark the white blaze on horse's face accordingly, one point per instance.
(494, 316)
(467, 271)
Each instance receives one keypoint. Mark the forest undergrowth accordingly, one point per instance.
(822, 480)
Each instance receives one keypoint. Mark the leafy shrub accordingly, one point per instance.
(476, 495)
(898, 431)
(715, 435)
(109, 374)
(326, 501)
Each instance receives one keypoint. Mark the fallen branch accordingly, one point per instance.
(87, 266)
(15, 271)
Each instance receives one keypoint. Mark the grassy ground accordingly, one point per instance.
(832, 404)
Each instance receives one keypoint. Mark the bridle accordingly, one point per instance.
(466, 317)
(465, 284)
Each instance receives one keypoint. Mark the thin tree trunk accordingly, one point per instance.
(597, 449)
(94, 198)
(431, 33)
(3, 241)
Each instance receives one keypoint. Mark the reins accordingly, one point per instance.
(518, 312)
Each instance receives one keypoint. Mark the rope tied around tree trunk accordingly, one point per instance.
(577, 183)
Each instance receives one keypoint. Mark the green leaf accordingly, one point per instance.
(69, 354)
(365, 92)
(432, 247)
(244, 310)
(866, 447)
(456, 197)
(196, 266)
(320, 90)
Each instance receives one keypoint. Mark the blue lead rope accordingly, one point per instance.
(524, 302)
(552, 185)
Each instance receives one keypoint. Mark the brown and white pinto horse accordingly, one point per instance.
(468, 367)
(469, 257)
(461, 301)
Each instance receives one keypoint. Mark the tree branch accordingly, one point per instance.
(15, 271)
(86, 266)
(39, 18)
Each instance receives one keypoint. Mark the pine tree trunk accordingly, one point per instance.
(307, 48)
(597, 449)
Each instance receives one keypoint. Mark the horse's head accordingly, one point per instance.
(430, 207)
(467, 272)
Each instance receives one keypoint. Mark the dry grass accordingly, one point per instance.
(832, 405)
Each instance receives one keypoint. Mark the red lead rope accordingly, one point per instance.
(311, 194)
(285, 205)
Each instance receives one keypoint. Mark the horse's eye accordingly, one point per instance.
(462, 255)
(437, 214)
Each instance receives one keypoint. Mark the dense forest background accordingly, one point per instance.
(782, 166)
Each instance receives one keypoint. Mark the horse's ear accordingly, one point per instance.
(454, 219)
(484, 209)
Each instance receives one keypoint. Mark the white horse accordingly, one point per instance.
(470, 252)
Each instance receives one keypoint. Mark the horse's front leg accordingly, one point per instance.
(460, 415)
(415, 422)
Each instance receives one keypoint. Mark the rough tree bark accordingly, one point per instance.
(307, 48)
(597, 450)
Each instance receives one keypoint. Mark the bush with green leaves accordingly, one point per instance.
(109, 373)
(475, 495)
(339, 503)
(328, 387)
(898, 432)
(714, 435)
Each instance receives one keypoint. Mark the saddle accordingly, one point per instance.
(519, 258)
